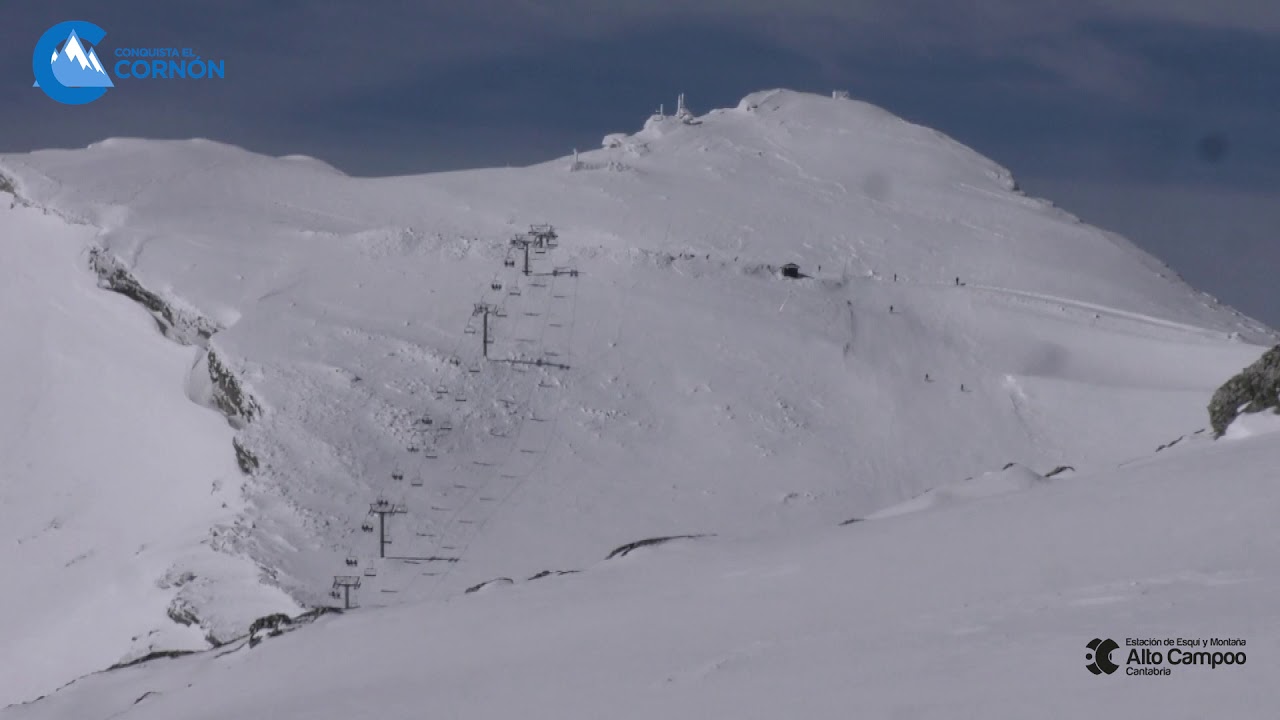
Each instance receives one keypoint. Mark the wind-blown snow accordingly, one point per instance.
(980, 609)
(705, 393)
(111, 480)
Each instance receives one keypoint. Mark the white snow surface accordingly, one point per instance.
(704, 394)
(980, 609)
(112, 481)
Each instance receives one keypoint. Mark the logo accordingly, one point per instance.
(65, 70)
(1100, 656)
(67, 67)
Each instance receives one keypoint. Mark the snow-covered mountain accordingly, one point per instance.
(655, 374)
(976, 609)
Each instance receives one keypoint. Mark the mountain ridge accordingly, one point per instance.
(948, 325)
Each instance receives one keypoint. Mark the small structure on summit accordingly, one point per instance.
(683, 114)
(791, 270)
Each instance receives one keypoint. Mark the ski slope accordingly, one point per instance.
(112, 481)
(684, 386)
(976, 608)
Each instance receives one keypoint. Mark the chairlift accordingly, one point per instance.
(414, 448)
(397, 476)
(416, 482)
(495, 285)
(470, 330)
(334, 594)
(442, 390)
(371, 572)
(446, 426)
(352, 561)
(500, 313)
(473, 369)
(515, 291)
(367, 526)
(509, 262)
(424, 421)
(454, 361)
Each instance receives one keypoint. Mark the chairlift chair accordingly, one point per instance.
(416, 482)
(371, 572)
(470, 330)
(509, 262)
(352, 561)
(367, 526)
(495, 285)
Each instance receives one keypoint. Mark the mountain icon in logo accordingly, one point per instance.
(75, 68)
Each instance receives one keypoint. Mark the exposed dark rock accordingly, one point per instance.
(180, 327)
(269, 622)
(546, 573)
(228, 395)
(486, 583)
(1254, 389)
(182, 614)
(157, 655)
(851, 521)
(6, 185)
(624, 550)
(1059, 470)
(247, 461)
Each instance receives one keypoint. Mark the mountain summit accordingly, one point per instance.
(409, 406)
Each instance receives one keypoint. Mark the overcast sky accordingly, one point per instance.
(1157, 118)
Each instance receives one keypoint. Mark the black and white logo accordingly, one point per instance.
(1100, 655)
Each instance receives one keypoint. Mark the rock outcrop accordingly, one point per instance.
(1255, 389)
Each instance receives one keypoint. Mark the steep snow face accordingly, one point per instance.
(111, 480)
(980, 608)
(673, 382)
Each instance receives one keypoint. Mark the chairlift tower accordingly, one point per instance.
(343, 584)
(382, 509)
(484, 310)
(523, 242)
(544, 236)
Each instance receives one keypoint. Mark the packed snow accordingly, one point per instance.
(979, 609)
(654, 375)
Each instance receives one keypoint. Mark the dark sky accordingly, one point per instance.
(1157, 118)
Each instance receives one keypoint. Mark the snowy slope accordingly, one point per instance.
(111, 479)
(704, 393)
(974, 609)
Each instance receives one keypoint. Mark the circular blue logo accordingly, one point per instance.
(72, 75)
